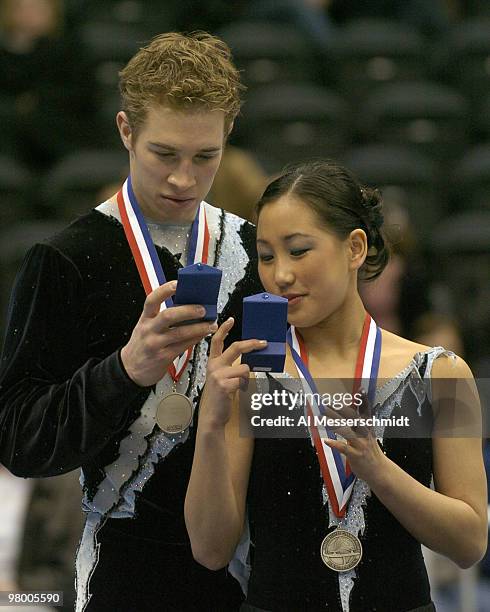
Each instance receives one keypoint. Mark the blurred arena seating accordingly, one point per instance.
(15, 181)
(427, 116)
(289, 122)
(270, 53)
(471, 180)
(405, 177)
(71, 185)
(370, 52)
(460, 250)
(408, 112)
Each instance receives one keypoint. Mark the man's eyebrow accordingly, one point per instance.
(161, 145)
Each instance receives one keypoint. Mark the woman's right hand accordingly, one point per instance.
(224, 377)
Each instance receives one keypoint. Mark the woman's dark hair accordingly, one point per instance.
(340, 202)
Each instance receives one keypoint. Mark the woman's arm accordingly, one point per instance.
(215, 502)
(451, 520)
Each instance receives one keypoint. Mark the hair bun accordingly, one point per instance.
(372, 203)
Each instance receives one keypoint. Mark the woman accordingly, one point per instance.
(300, 538)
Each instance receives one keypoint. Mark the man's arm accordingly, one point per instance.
(58, 406)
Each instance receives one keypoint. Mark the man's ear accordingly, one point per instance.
(125, 130)
(357, 248)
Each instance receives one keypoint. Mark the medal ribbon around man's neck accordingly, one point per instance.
(337, 475)
(146, 257)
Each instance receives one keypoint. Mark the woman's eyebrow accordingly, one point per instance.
(288, 237)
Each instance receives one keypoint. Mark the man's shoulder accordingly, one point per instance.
(232, 218)
(88, 232)
(229, 218)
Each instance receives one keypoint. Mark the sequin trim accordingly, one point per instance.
(87, 559)
(145, 445)
(354, 520)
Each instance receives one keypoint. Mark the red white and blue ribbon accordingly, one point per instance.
(337, 475)
(146, 257)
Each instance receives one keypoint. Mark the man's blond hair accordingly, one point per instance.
(183, 71)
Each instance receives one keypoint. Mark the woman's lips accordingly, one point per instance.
(294, 299)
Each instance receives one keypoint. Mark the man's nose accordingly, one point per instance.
(182, 177)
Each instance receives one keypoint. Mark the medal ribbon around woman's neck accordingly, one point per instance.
(337, 475)
(146, 257)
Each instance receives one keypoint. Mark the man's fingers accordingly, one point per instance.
(156, 297)
(218, 340)
(178, 314)
(185, 336)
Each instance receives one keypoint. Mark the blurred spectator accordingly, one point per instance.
(401, 294)
(14, 493)
(52, 529)
(435, 329)
(239, 183)
(43, 81)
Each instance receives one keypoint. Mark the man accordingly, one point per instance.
(87, 362)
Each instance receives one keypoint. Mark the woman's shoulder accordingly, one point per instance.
(394, 345)
(446, 363)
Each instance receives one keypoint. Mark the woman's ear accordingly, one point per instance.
(125, 130)
(358, 248)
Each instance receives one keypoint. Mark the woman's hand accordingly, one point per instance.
(360, 446)
(224, 377)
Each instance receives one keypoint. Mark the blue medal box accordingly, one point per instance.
(199, 284)
(265, 317)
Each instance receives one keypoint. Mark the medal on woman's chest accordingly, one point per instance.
(340, 550)
(174, 412)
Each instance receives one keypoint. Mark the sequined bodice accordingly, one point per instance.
(289, 517)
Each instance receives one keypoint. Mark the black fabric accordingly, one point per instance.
(66, 402)
(288, 522)
(135, 574)
(248, 608)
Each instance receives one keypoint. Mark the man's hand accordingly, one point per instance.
(155, 342)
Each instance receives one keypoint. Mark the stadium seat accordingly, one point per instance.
(370, 52)
(460, 251)
(109, 46)
(467, 63)
(71, 187)
(15, 184)
(471, 180)
(289, 123)
(405, 178)
(152, 16)
(270, 53)
(428, 117)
